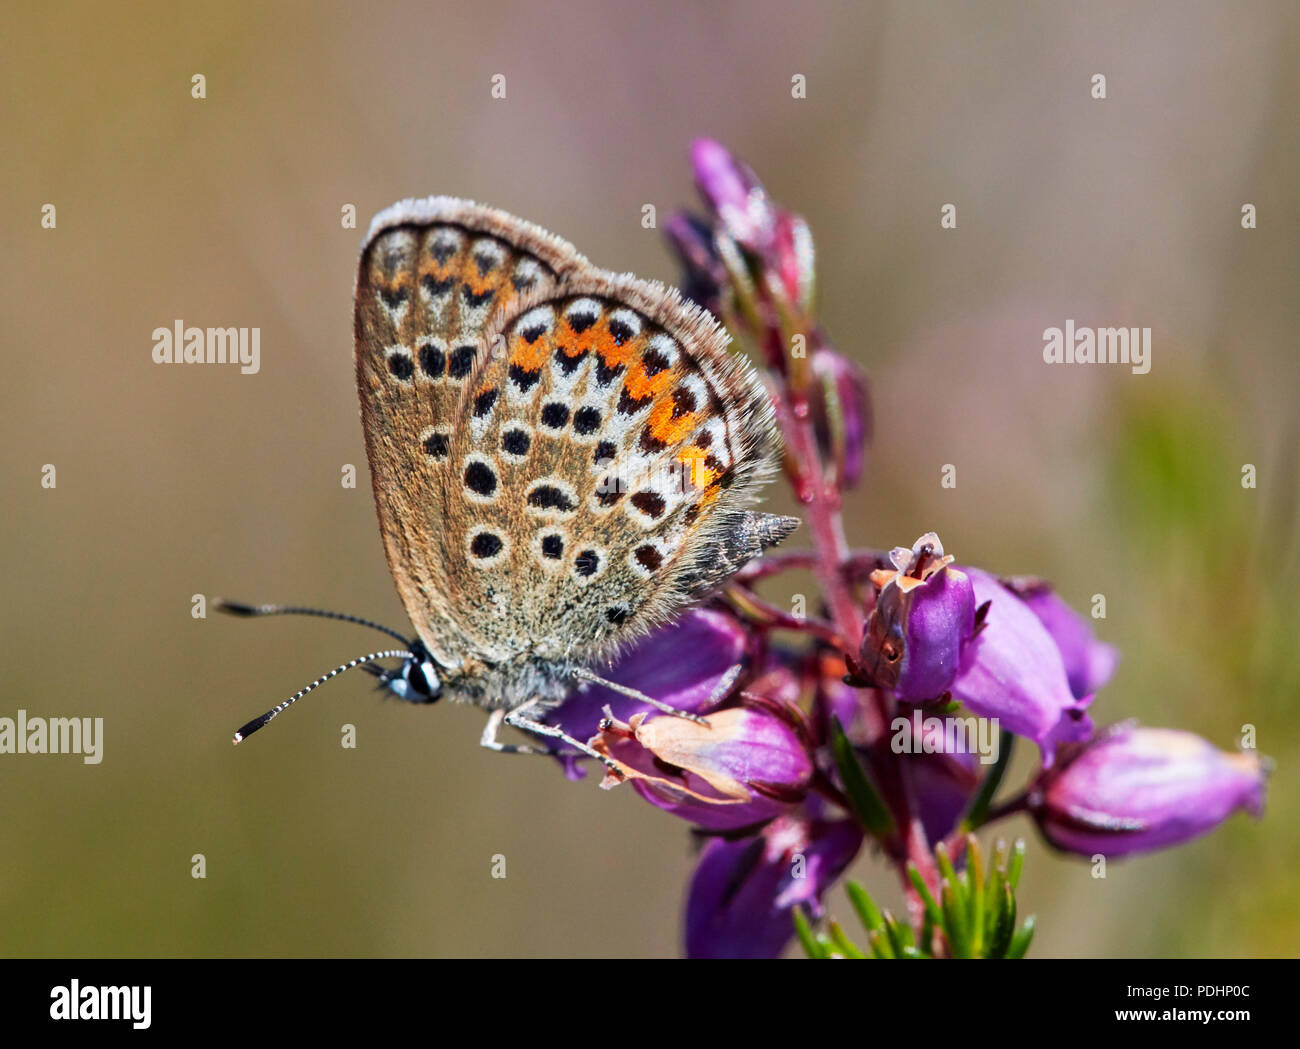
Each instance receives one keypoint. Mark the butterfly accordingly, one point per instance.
(563, 460)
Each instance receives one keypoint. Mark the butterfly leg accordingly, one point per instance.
(519, 719)
(491, 731)
(719, 691)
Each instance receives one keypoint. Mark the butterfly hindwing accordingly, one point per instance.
(606, 453)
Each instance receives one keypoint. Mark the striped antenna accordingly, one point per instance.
(271, 714)
(238, 608)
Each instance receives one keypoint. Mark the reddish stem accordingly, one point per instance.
(918, 851)
(821, 500)
(772, 616)
(856, 566)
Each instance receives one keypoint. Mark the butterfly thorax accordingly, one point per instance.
(506, 685)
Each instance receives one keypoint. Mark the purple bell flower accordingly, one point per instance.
(680, 664)
(1012, 671)
(1089, 663)
(749, 764)
(735, 195)
(740, 900)
(948, 759)
(1135, 789)
(924, 614)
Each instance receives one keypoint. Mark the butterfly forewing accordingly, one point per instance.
(432, 274)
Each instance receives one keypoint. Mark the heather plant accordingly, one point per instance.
(885, 713)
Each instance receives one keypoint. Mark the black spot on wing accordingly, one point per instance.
(548, 497)
(462, 361)
(516, 442)
(524, 379)
(432, 361)
(480, 478)
(649, 503)
(475, 300)
(485, 544)
(555, 415)
(393, 297)
(400, 364)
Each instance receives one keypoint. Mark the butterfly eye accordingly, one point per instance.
(421, 680)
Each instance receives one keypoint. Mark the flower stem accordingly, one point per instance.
(821, 500)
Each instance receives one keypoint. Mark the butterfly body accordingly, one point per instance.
(562, 458)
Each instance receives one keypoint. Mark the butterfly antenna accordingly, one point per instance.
(271, 714)
(238, 608)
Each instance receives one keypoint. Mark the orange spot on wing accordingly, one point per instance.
(663, 426)
(530, 356)
(640, 385)
(696, 473)
(572, 344)
(477, 285)
(611, 352)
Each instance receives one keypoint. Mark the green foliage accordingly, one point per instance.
(868, 805)
(974, 915)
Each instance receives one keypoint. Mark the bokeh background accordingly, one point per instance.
(177, 481)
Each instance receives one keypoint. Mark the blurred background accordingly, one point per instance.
(180, 481)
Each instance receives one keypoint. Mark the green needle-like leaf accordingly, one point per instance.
(865, 799)
(1017, 864)
(1020, 941)
(812, 947)
(975, 864)
(997, 877)
(931, 907)
(879, 941)
(894, 931)
(948, 871)
(1004, 924)
(868, 913)
(843, 943)
(978, 813)
(954, 921)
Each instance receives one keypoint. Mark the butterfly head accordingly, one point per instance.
(417, 679)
